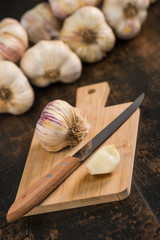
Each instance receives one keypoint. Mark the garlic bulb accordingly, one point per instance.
(51, 61)
(105, 160)
(40, 23)
(153, 1)
(13, 40)
(61, 125)
(88, 34)
(125, 17)
(16, 94)
(64, 8)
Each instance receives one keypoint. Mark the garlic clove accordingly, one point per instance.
(13, 39)
(61, 125)
(71, 69)
(88, 34)
(125, 17)
(40, 23)
(16, 94)
(105, 160)
(51, 61)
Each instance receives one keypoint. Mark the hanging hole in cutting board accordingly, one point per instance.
(91, 91)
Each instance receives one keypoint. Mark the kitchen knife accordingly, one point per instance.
(42, 188)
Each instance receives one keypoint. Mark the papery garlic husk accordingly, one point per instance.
(88, 34)
(61, 125)
(64, 8)
(125, 17)
(40, 23)
(105, 160)
(16, 94)
(51, 61)
(13, 40)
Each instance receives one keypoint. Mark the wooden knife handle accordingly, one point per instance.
(41, 189)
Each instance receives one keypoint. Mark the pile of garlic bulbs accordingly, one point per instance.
(63, 33)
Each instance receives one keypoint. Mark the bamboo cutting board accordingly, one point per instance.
(80, 188)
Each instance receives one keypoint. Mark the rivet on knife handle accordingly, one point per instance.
(38, 191)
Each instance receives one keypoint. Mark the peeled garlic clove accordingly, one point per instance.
(51, 61)
(61, 125)
(13, 40)
(64, 8)
(40, 23)
(104, 160)
(88, 34)
(125, 17)
(16, 94)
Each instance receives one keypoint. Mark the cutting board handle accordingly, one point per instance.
(94, 95)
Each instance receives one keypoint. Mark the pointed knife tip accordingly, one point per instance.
(143, 94)
(141, 97)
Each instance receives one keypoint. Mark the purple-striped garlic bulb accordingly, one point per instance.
(13, 40)
(40, 23)
(61, 125)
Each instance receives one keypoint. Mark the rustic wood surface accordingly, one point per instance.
(131, 68)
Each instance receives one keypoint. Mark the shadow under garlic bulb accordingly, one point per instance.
(13, 40)
(40, 23)
(125, 17)
(88, 34)
(16, 94)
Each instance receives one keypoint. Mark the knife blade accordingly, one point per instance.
(42, 188)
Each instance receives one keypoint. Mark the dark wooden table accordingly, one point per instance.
(131, 68)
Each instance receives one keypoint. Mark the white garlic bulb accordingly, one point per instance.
(88, 34)
(40, 23)
(61, 125)
(105, 160)
(51, 61)
(13, 40)
(16, 94)
(64, 8)
(125, 17)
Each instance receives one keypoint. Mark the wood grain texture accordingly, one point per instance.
(82, 189)
(130, 68)
(42, 188)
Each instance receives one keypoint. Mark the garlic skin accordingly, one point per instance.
(88, 34)
(61, 125)
(13, 40)
(16, 94)
(105, 160)
(40, 23)
(125, 17)
(64, 8)
(51, 61)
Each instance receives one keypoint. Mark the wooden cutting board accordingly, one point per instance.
(80, 188)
